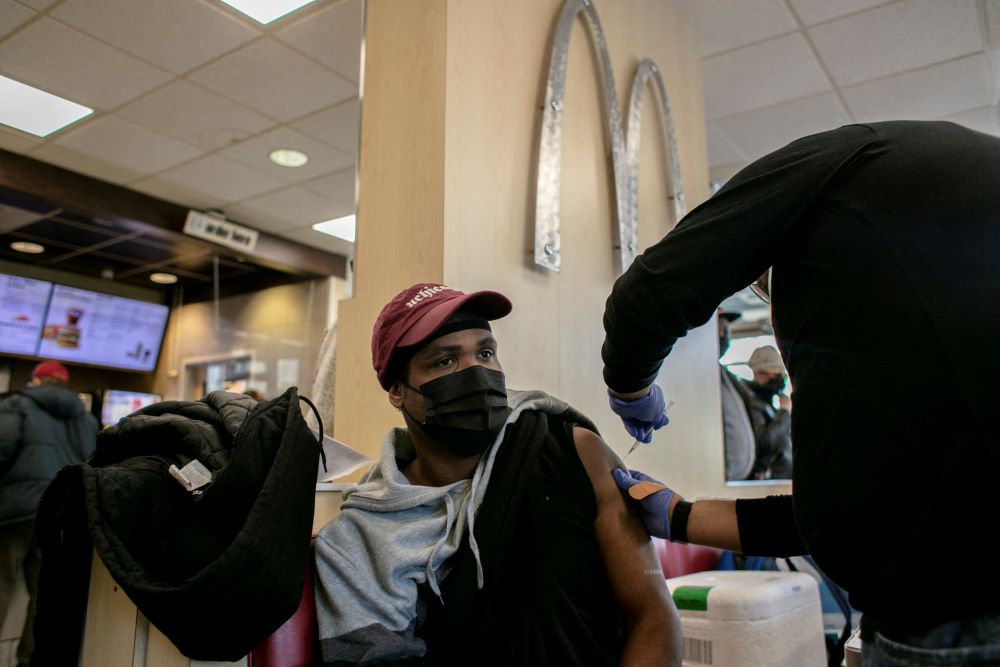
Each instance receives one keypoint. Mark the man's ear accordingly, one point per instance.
(396, 395)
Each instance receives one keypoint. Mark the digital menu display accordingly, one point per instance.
(95, 328)
(118, 404)
(22, 311)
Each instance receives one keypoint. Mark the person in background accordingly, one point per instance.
(43, 427)
(771, 424)
(879, 245)
(737, 431)
(490, 531)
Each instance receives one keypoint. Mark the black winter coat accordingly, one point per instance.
(216, 570)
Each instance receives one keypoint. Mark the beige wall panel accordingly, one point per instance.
(400, 196)
(552, 339)
(109, 634)
(160, 651)
(487, 98)
(496, 64)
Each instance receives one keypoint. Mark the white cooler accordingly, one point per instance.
(750, 619)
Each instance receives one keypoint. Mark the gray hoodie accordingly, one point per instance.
(392, 536)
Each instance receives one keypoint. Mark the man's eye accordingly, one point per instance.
(488, 354)
(444, 361)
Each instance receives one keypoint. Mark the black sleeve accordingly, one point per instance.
(716, 250)
(767, 527)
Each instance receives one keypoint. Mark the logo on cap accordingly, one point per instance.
(427, 293)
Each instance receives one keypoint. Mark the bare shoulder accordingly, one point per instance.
(598, 460)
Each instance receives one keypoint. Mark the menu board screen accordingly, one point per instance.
(22, 311)
(118, 404)
(94, 328)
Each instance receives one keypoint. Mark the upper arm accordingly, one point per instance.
(632, 567)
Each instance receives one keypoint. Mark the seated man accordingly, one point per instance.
(490, 530)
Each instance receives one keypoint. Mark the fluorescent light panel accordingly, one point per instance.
(35, 111)
(265, 11)
(342, 228)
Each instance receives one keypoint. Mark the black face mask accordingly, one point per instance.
(464, 410)
(775, 385)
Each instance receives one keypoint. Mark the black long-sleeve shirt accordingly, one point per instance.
(885, 245)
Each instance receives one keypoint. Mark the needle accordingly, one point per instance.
(631, 449)
(637, 443)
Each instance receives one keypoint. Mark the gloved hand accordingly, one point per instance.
(655, 507)
(643, 415)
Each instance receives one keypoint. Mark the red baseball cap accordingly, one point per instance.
(413, 315)
(50, 369)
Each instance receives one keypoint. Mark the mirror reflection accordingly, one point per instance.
(756, 396)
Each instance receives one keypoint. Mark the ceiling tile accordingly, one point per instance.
(83, 163)
(18, 142)
(720, 149)
(260, 75)
(332, 36)
(983, 119)
(310, 237)
(38, 4)
(127, 145)
(254, 153)
(725, 24)
(223, 179)
(759, 132)
(993, 28)
(897, 37)
(155, 186)
(12, 15)
(338, 186)
(288, 209)
(177, 35)
(193, 114)
(774, 71)
(931, 92)
(67, 63)
(338, 126)
(812, 12)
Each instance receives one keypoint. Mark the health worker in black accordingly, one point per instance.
(883, 244)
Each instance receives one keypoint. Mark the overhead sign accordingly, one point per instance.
(219, 230)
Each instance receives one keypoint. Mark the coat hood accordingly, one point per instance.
(58, 401)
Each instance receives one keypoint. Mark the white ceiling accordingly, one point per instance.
(190, 96)
(776, 70)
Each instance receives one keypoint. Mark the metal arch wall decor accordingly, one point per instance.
(647, 70)
(623, 144)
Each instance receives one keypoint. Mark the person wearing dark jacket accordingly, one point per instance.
(42, 428)
(489, 532)
(881, 244)
(771, 425)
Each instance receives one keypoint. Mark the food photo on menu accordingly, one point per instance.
(101, 329)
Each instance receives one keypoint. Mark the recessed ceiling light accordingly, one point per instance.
(288, 157)
(265, 11)
(35, 111)
(163, 278)
(28, 247)
(342, 228)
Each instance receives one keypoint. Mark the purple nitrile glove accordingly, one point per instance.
(643, 415)
(655, 507)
